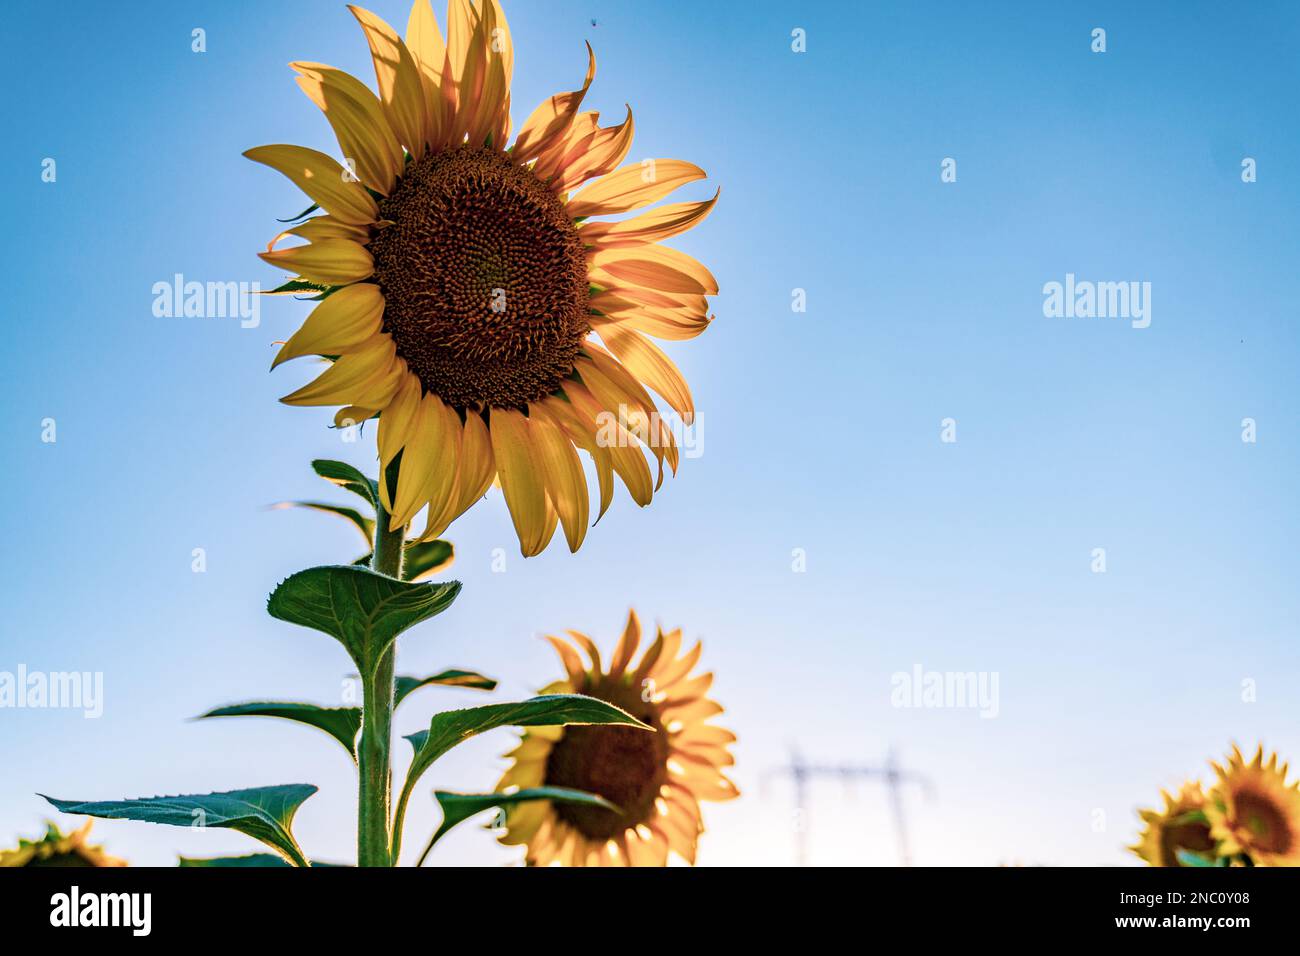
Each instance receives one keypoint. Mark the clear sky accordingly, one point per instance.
(821, 429)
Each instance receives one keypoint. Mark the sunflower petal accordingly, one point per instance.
(649, 364)
(548, 124)
(329, 261)
(633, 186)
(323, 181)
(652, 267)
(358, 120)
(400, 88)
(566, 485)
(342, 323)
(521, 479)
(649, 227)
(364, 378)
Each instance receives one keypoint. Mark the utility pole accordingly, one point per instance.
(802, 774)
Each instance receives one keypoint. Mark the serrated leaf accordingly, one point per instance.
(459, 807)
(451, 727)
(448, 678)
(345, 476)
(363, 524)
(264, 813)
(341, 723)
(362, 609)
(248, 860)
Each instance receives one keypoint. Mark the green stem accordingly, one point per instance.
(373, 757)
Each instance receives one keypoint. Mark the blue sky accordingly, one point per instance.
(821, 429)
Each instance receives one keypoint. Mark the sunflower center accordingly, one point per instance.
(1264, 821)
(624, 765)
(484, 279)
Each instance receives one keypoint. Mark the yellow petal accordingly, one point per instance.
(633, 186)
(627, 645)
(353, 415)
(428, 458)
(565, 482)
(548, 124)
(649, 227)
(661, 323)
(652, 267)
(623, 448)
(329, 261)
(521, 480)
(424, 40)
(569, 658)
(355, 379)
(342, 323)
(462, 20)
(491, 83)
(584, 437)
(322, 180)
(396, 421)
(444, 429)
(400, 88)
(648, 363)
(323, 227)
(358, 120)
(599, 154)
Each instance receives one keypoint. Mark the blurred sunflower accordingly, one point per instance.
(55, 849)
(1181, 825)
(655, 779)
(1253, 810)
(462, 281)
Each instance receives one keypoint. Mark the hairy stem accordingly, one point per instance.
(373, 757)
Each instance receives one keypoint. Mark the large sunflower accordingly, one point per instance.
(463, 281)
(1253, 810)
(655, 779)
(1181, 825)
(55, 849)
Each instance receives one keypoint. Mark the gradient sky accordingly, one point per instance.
(821, 429)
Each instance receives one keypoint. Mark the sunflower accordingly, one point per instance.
(656, 780)
(1254, 811)
(55, 849)
(1181, 825)
(462, 282)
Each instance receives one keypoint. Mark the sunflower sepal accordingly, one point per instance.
(264, 813)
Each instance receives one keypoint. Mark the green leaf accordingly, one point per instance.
(1188, 858)
(451, 727)
(345, 476)
(341, 723)
(249, 860)
(364, 610)
(424, 558)
(459, 807)
(448, 678)
(363, 524)
(264, 813)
